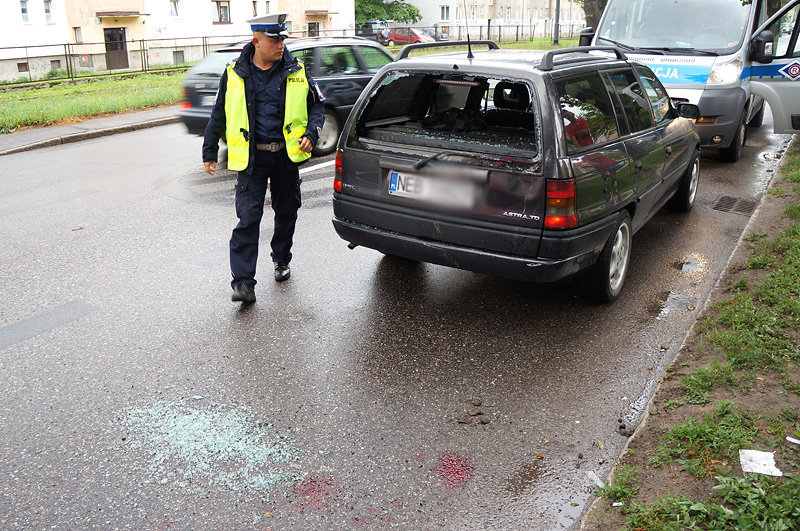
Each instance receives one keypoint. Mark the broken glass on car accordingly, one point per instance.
(453, 112)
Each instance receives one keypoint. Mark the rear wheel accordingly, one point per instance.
(390, 43)
(602, 282)
(733, 152)
(684, 197)
(329, 135)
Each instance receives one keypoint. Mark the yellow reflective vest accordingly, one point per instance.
(237, 123)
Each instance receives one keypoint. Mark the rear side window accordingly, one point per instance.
(337, 61)
(634, 102)
(587, 112)
(305, 56)
(373, 58)
(659, 99)
(468, 112)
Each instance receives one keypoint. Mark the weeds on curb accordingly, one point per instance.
(623, 487)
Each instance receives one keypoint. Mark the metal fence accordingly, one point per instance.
(24, 64)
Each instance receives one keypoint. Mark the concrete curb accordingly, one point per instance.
(87, 135)
(646, 415)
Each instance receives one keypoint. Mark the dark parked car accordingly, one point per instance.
(342, 66)
(375, 30)
(518, 164)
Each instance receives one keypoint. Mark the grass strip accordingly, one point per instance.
(737, 503)
(41, 106)
(706, 445)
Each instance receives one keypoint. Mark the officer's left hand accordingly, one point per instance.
(305, 144)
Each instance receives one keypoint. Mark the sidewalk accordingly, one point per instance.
(39, 137)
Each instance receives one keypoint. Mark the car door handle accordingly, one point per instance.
(669, 150)
(638, 166)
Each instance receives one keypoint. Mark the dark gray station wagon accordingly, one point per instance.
(513, 163)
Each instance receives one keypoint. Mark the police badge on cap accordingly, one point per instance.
(270, 25)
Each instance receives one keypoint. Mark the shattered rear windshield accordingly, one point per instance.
(466, 112)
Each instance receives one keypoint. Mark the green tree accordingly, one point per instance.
(593, 9)
(386, 10)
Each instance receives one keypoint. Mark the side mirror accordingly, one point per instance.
(688, 110)
(761, 47)
(585, 37)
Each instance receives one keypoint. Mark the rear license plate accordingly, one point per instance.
(439, 191)
(208, 101)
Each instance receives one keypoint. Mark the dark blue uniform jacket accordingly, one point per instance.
(216, 124)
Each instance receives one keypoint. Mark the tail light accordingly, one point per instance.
(337, 179)
(560, 212)
(186, 104)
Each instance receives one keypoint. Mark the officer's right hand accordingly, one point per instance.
(211, 167)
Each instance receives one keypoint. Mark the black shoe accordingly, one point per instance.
(244, 293)
(282, 272)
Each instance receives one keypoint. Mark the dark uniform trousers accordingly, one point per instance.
(284, 180)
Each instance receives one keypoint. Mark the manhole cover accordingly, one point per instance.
(737, 205)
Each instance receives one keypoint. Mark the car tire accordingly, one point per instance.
(329, 136)
(603, 281)
(757, 119)
(390, 42)
(684, 197)
(733, 152)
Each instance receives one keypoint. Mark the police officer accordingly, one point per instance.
(271, 114)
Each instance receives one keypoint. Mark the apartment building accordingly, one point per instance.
(37, 36)
(507, 19)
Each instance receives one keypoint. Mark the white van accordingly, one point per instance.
(725, 56)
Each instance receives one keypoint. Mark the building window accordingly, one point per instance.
(85, 60)
(313, 29)
(473, 12)
(222, 12)
(173, 8)
(23, 7)
(55, 64)
(48, 14)
(78, 34)
(255, 8)
(22, 67)
(177, 57)
(508, 13)
(444, 12)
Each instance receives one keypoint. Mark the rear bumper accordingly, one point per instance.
(195, 120)
(561, 253)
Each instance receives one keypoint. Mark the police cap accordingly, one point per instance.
(273, 25)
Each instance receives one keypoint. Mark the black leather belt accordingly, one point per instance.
(273, 146)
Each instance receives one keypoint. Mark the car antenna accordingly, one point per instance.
(466, 23)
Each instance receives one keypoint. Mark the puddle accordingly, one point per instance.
(525, 478)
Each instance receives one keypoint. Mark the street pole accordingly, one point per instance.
(555, 24)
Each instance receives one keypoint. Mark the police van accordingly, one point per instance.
(726, 56)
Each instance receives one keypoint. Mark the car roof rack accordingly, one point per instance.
(547, 58)
(405, 50)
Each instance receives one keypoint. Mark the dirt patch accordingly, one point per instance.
(765, 395)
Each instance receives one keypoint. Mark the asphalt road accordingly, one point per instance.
(366, 392)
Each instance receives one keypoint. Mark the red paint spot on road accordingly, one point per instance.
(317, 491)
(454, 470)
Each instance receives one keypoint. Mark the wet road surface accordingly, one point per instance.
(365, 392)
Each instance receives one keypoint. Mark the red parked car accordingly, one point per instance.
(404, 36)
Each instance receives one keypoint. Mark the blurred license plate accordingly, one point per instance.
(208, 101)
(440, 191)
